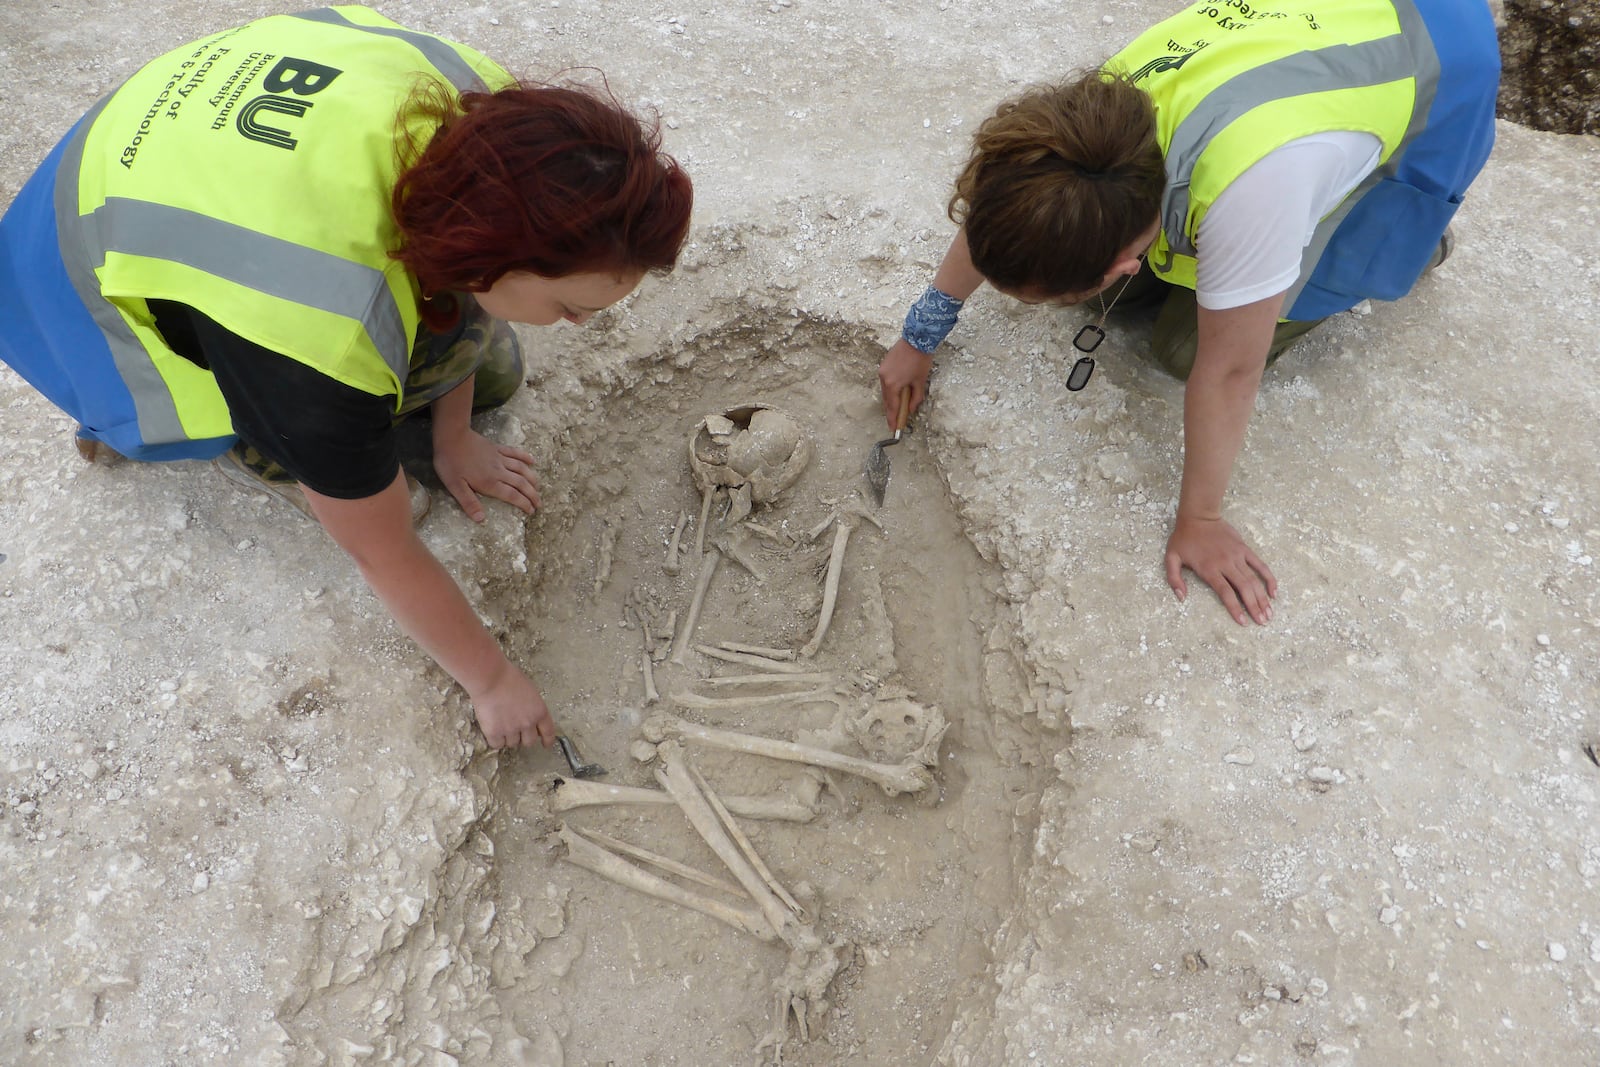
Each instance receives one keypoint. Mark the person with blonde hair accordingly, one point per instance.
(1255, 167)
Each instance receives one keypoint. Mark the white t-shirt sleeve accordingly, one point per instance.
(1252, 238)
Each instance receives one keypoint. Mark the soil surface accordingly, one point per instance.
(243, 820)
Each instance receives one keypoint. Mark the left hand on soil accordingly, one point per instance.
(1215, 551)
(475, 464)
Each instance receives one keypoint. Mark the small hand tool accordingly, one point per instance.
(580, 769)
(877, 466)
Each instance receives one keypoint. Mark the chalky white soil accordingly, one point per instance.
(244, 821)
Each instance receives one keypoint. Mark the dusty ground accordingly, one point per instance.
(245, 822)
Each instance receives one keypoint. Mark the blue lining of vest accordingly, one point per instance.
(52, 340)
(1390, 233)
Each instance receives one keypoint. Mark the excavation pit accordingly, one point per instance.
(917, 885)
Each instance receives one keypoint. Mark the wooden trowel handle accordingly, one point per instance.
(901, 419)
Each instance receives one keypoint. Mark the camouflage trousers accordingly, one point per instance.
(479, 346)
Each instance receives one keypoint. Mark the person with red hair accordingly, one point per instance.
(269, 246)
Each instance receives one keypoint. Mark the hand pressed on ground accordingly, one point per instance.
(1215, 551)
(469, 464)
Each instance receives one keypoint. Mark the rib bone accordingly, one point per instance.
(893, 778)
(757, 650)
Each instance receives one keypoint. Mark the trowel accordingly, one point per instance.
(580, 769)
(877, 466)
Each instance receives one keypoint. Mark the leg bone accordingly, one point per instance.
(769, 679)
(892, 778)
(830, 589)
(650, 693)
(708, 569)
(675, 778)
(571, 793)
(813, 696)
(748, 660)
(655, 859)
(801, 914)
(592, 857)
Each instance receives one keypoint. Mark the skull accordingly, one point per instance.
(755, 445)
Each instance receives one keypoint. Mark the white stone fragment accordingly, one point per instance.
(1317, 987)
(1594, 950)
(1324, 775)
(202, 882)
(1558, 951)
(1389, 915)
(1241, 756)
(1544, 640)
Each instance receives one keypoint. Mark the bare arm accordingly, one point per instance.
(376, 531)
(1218, 401)
(903, 365)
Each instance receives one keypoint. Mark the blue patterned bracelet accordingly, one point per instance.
(930, 320)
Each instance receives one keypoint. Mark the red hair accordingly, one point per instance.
(537, 178)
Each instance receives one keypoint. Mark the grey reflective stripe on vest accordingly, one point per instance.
(258, 261)
(1407, 54)
(1425, 66)
(152, 400)
(444, 58)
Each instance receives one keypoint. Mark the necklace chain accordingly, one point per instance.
(1104, 310)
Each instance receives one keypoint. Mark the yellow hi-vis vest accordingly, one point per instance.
(1233, 80)
(248, 175)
